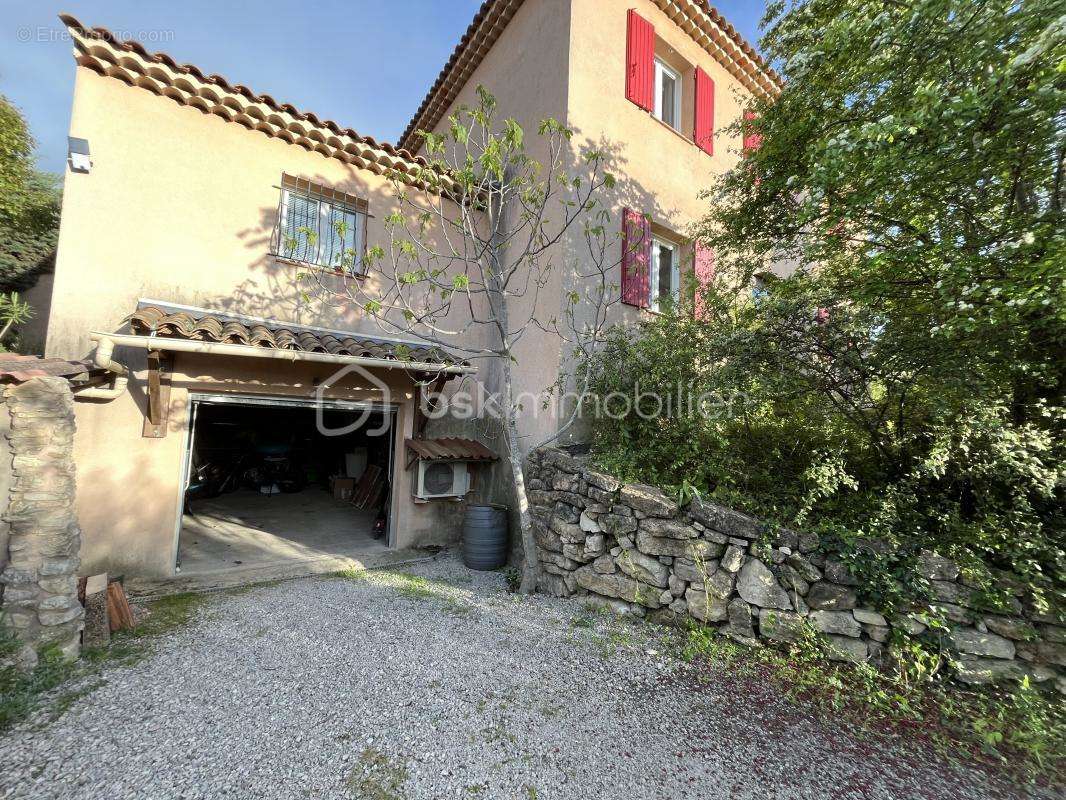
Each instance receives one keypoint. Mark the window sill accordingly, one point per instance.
(679, 134)
(644, 310)
(292, 262)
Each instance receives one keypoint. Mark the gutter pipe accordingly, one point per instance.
(105, 348)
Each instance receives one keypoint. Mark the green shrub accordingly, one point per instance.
(1021, 728)
(921, 465)
(906, 384)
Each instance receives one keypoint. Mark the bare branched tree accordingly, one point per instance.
(469, 262)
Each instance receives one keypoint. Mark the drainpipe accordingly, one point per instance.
(105, 348)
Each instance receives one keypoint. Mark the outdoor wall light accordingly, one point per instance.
(78, 154)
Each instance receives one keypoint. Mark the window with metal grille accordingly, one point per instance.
(320, 226)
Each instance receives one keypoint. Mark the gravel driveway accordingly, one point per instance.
(386, 687)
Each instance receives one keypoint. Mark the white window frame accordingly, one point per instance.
(657, 243)
(660, 70)
(321, 251)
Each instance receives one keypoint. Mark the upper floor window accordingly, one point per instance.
(665, 283)
(320, 226)
(667, 95)
(655, 75)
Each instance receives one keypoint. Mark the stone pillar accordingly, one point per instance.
(40, 599)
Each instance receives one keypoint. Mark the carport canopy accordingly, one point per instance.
(169, 327)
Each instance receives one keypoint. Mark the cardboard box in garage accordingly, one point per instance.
(342, 488)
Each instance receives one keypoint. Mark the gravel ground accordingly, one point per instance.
(387, 688)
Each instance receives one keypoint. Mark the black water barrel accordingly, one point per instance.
(485, 537)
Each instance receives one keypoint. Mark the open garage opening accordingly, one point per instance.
(277, 482)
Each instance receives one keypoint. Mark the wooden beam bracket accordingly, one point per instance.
(158, 410)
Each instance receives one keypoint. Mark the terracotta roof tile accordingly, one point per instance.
(734, 34)
(16, 368)
(101, 51)
(208, 327)
(493, 16)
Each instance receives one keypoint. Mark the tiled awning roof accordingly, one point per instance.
(19, 369)
(450, 449)
(207, 326)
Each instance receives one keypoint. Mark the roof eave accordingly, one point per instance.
(492, 17)
(101, 51)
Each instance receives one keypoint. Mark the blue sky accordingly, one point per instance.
(352, 61)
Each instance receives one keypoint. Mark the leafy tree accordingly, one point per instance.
(29, 206)
(906, 383)
(469, 264)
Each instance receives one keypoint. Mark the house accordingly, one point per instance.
(177, 271)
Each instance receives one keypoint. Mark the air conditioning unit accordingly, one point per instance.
(443, 479)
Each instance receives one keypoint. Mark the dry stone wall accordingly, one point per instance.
(39, 581)
(632, 549)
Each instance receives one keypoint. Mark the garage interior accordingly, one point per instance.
(267, 487)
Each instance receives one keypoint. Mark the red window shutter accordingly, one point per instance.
(703, 134)
(704, 271)
(752, 139)
(636, 258)
(640, 61)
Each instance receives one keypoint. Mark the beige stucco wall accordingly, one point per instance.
(661, 170)
(526, 71)
(180, 206)
(663, 167)
(566, 59)
(190, 199)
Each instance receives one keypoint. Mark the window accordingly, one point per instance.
(665, 282)
(655, 84)
(320, 226)
(667, 95)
